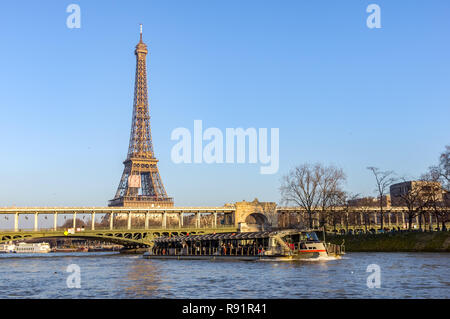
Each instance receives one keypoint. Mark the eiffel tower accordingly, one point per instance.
(141, 185)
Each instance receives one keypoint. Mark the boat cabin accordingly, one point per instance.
(283, 243)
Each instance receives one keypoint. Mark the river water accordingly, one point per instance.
(111, 275)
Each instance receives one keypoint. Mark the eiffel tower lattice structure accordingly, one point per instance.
(141, 184)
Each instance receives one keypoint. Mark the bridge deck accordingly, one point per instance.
(126, 237)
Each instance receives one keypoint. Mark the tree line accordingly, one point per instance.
(319, 189)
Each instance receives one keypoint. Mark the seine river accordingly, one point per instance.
(107, 275)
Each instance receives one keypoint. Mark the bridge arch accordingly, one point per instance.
(255, 222)
(256, 219)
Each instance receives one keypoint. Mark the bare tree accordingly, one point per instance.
(330, 188)
(435, 197)
(441, 172)
(311, 186)
(337, 209)
(436, 203)
(301, 187)
(383, 179)
(414, 200)
(344, 200)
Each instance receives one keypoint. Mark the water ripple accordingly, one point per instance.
(403, 275)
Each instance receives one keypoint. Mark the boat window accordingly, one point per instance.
(312, 236)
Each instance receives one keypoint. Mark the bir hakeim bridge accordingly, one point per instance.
(137, 227)
(141, 209)
(130, 227)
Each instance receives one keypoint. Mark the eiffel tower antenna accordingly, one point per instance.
(141, 184)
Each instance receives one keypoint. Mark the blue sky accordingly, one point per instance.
(339, 92)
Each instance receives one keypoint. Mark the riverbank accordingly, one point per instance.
(394, 242)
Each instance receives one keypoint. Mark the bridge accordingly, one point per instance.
(130, 238)
(130, 227)
(343, 219)
(137, 227)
